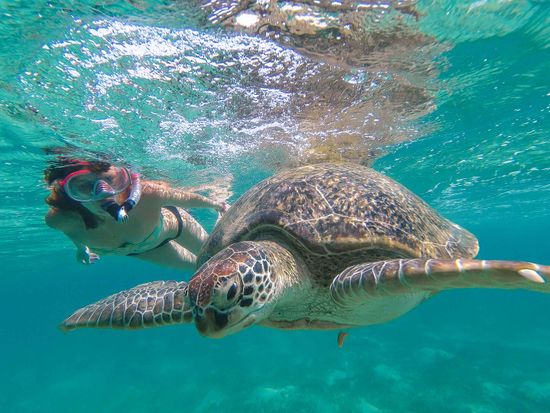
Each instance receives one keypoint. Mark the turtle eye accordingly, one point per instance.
(227, 293)
(232, 292)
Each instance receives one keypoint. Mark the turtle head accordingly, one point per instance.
(233, 290)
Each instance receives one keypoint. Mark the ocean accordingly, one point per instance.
(451, 99)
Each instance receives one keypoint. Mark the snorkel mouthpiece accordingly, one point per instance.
(120, 212)
(115, 210)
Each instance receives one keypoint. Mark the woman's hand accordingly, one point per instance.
(222, 207)
(85, 256)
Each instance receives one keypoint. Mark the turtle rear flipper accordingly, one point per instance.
(147, 305)
(403, 276)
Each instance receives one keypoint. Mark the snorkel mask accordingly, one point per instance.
(87, 186)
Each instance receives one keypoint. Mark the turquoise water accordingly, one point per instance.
(451, 100)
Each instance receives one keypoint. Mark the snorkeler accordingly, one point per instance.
(106, 209)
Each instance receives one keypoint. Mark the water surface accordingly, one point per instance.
(449, 98)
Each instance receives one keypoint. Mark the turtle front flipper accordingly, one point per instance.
(403, 276)
(147, 305)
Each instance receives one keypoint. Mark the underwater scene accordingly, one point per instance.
(449, 98)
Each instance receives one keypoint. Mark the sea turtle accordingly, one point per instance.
(318, 247)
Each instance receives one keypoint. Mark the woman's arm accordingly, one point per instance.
(184, 199)
(64, 222)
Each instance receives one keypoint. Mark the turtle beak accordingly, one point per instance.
(211, 323)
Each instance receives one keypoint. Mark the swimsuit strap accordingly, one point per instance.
(176, 213)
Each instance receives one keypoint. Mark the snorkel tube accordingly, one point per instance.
(135, 193)
(120, 212)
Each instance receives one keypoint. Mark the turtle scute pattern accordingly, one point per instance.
(147, 305)
(336, 215)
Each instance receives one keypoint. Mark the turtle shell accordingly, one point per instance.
(337, 215)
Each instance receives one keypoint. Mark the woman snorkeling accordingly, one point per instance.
(106, 209)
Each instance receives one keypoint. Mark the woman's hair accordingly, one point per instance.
(59, 199)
